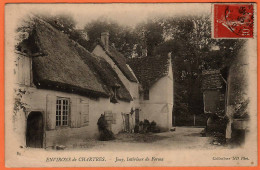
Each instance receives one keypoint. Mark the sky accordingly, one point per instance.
(127, 14)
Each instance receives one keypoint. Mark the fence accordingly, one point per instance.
(189, 120)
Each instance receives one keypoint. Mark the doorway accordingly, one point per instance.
(34, 130)
(137, 116)
(127, 122)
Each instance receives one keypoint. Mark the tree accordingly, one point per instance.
(150, 34)
(193, 50)
(63, 22)
(123, 38)
(66, 24)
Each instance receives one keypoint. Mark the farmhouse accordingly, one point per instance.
(62, 89)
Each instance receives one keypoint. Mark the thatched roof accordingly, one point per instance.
(67, 66)
(211, 80)
(119, 60)
(108, 76)
(150, 69)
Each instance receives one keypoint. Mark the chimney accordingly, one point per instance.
(169, 54)
(105, 39)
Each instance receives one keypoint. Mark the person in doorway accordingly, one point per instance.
(102, 123)
(105, 133)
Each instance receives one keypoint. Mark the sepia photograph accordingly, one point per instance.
(130, 84)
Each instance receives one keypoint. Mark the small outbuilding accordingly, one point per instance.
(156, 88)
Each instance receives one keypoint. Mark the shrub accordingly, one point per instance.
(153, 126)
(156, 130)
(146, 126)
(146, 122)
(216, 124)
(153, 123)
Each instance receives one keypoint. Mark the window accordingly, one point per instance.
(146, 94)
(62, 111)
(113, 98)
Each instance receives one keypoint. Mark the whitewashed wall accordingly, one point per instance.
(44, 101)
(160, 104)
(132, 87)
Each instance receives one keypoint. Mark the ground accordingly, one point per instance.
(181, 138)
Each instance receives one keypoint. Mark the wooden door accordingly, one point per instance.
(34, 130)
(127, 123)
(137, 116)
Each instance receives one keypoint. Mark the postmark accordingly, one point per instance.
(233, 21)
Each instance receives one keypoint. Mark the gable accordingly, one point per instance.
(108, 76)
(211, 79)
(149, 70)
(117, 58)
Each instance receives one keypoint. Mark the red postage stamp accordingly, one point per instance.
(233, 21)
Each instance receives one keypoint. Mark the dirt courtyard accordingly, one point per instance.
(181, 138)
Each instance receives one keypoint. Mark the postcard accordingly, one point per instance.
(130, 84)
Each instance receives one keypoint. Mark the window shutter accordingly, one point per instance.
(84, 113)
(74, 114)
(51, 112)
(27, 69)
(114, 118)
(78, 113)
(20, 69)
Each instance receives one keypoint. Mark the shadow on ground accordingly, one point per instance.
(137, 137)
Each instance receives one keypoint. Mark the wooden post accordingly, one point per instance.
(194, 118)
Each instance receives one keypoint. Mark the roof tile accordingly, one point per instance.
(148, 70)
(211, 80)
